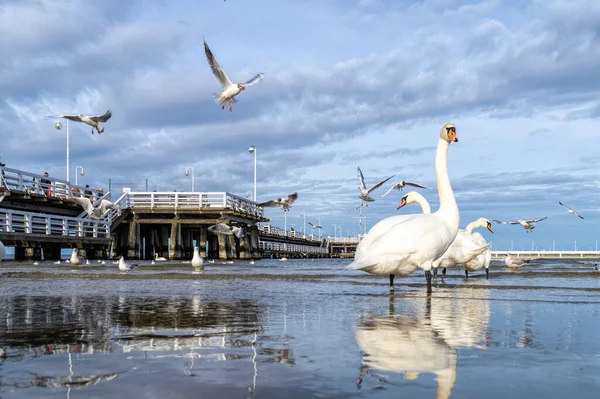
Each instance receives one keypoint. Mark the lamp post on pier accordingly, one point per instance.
(187, 173)
(303, 214)
(77, 174)
(58, 126)
(252, 150)
(340, 230)
(334, 231)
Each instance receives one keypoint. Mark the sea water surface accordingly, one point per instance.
(297, 329)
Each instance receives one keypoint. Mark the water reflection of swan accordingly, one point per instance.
(408, 344)
(462, 316)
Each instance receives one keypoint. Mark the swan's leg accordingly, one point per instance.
(434, 272)
(487, 273)
(392, 283)
(466, 273)
(444, 272)
(428, 277)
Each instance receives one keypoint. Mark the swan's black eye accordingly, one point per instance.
(451, 129)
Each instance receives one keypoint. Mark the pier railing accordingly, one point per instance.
(190, 201)
(547, 254)
(269, 246)
(19, 222)
(344, 240)
(30, 183)
(277, 232)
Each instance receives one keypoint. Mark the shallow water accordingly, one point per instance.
(297, 329)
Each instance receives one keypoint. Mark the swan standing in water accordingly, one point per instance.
(125, 266)
(466, 248)
(419, 240)
(197, 259)
(514, 263)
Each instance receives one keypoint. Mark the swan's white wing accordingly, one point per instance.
(375, 186)
(497, 221)
(216, 68)
(102, 118)
(255, 79)
(361, 178)
(85, 203)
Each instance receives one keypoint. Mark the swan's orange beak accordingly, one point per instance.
(489, 227)
(452, 136)
(402, 203)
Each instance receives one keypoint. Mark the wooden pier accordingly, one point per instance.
(547, 254)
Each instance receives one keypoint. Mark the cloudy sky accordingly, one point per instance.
(347, 83)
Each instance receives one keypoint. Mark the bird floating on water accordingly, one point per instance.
(528, 224)
(514, 263)
(230, 90)
(400, 185)
(126, 266)
(571, 211)
(364, 191)
(93, 121)
(284, 203)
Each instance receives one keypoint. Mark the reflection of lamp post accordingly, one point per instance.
(251, 150)
(76, 174)
(187, 173)
(58, 126)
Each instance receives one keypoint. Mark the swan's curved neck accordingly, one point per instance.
(425, 207)
(473, 225)
(448, 205)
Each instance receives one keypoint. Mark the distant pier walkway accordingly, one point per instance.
(547, 254)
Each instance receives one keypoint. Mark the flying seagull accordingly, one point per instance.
(364, 192)
(314, 226)
(528, 224)
(401, 185)
(226, 229)
(230, 90)
(97, 212)
(571, 211)
(285, 203)
(93, 121)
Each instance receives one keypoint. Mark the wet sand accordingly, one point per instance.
(297, 329)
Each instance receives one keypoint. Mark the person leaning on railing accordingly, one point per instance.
(47, 185)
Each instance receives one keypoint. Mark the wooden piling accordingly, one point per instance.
(175, 247)
(202, 241)
(222, 246)
(132, 240)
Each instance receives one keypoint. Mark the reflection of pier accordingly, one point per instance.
(547, 254)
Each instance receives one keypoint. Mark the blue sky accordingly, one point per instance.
(348, 83)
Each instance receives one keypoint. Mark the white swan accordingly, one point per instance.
(2, 251)
(514, 263)
(159, 258)
(197, 259)
(468, 247)
(76, 259)
(125, 266)
(417, 241)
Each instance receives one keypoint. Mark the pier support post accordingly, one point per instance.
(175, 247)
(28, 253)
(132, 241)
(244, 247)
(202, 241)
(231, 249)
(254, 246)
(222, 247)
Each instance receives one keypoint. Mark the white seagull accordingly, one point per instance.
(75, 258)
(314, 226)
(364, 192)
(97, 212)
(125, 266)
(226, 229)
(285, 203)
(230, 90)
(571, 211)
(528, 224)
(400, 185)
(93, 121)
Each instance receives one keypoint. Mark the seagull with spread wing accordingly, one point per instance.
(314, 226)
(364, 192)
(284, 203)
(230, 90)
(571, 211)
(94, 212)
(528, 224)
(225, 229)
(93, 121)
(400, 185)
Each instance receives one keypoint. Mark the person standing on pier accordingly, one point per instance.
(46, 185)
